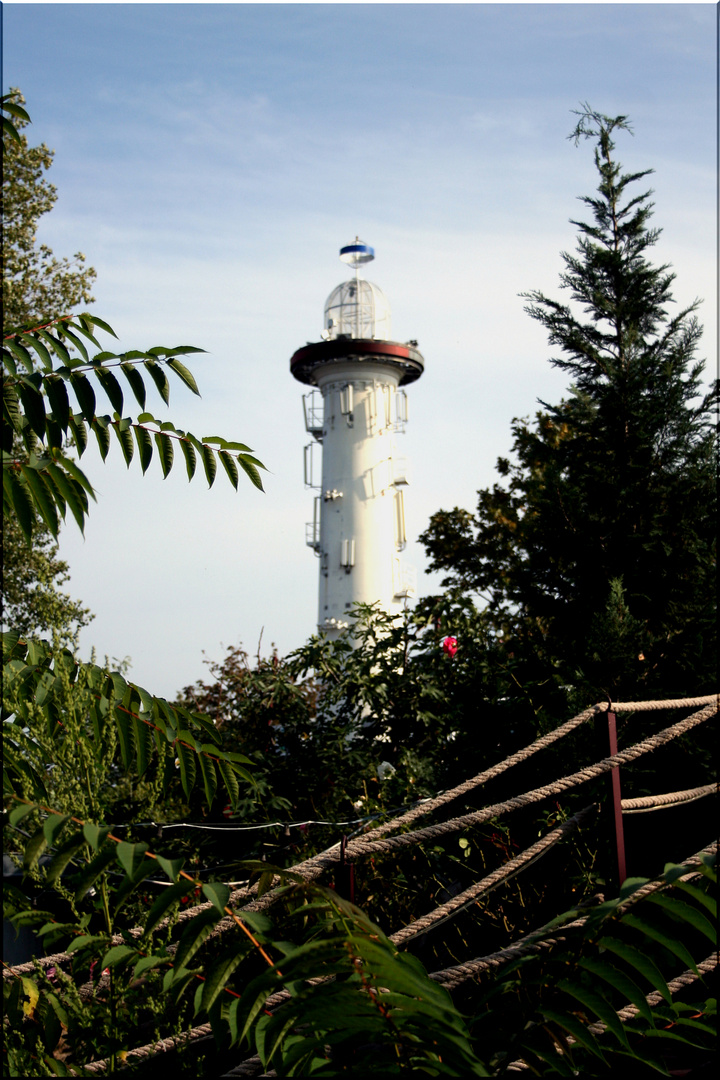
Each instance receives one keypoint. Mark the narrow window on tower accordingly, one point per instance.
(312, 528)
(400, 470)
(347, 555)
(347, 403)
(312, 465)
(401, 409)
(382, 406)
(370, 409)
(400, 535)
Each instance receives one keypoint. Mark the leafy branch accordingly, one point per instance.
(571, 998)
(8, 128)
(36, 678)
(132, 857)
(40, 363)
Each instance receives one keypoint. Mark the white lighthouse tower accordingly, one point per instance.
(356, 410)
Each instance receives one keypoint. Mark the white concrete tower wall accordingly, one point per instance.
(361, 506)
(356, 409)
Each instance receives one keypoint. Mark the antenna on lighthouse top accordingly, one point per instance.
(357, 254)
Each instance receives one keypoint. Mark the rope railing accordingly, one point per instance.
(504, 873)
(312, 868)
(379, 842)
(160, 1047)
(494, 771)
(565, 783)
(646, 803)
(535, 941)
(538, 939)
(671, 703)
(497, 877)
(58, 959)
(534, 747)
(687, 978)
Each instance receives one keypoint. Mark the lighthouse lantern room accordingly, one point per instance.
(355, 410)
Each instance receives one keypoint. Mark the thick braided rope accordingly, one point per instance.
(151, 1049)
(531, 941)
(494, 771)
(440, 800)
(362, 846)
(313, 867)
(672, 703)
(533, 748)
(686, 979)
(250, 1066)
(62, 958)
(503, 873)
(535, 941)
(455, 976)
(671, 798)
(246, 1068)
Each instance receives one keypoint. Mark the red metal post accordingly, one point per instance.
(345, 885)
(617, 800)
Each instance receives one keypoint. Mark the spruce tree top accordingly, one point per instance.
(629, 332)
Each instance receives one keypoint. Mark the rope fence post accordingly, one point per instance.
(616, 800)
(613, 855)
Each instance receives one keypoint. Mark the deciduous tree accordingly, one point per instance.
(34, 600)
(35, 283)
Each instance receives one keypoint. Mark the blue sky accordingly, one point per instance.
(211, 160)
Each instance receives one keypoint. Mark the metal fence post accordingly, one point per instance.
(616, 800)
(345, 883)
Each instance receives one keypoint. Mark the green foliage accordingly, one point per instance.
(89, 722)
(614, 488)
(374, 1012)
(40, 481)
(35, 603)
(318, 989)
(36, 284)
(325, 718)
(348, 999)
(561, 1004)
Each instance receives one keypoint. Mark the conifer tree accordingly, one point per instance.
(597, 546)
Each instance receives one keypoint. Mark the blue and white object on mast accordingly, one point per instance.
(357, 254)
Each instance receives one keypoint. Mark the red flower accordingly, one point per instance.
(450, 646)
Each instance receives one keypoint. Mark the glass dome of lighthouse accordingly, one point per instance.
(357, 308)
